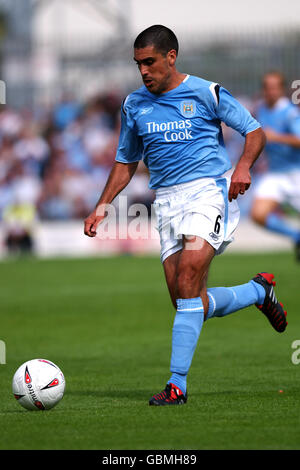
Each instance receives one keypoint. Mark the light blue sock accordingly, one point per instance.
(226, 300)
(186, 330)
(278, 224)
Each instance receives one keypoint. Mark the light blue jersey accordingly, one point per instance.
(178, 133)
(283, 118)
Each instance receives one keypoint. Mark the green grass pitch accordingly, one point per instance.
(107, 323)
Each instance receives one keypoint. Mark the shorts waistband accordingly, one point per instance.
(178, 188)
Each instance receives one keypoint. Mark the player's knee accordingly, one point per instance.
(261, 209)
(258, 216)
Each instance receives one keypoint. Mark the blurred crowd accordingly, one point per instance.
(58, 161)
(54, 163)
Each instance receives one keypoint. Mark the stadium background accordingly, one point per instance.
(67, 67)
(107, 320)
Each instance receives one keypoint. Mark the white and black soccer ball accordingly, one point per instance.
(38, 385)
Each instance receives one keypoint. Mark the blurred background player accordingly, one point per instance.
(280, 120)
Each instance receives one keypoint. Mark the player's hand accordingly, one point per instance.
(240, 182)
(91, 223)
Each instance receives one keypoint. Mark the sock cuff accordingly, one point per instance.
(270, 217)
(212, 305)
(260, 291)
(190, 305)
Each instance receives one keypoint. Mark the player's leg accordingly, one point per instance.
(192, 263)
(273, 190)
(217, 301)
(186, 267)
(294, 201)
(170, 269)
(226, 300)
(222, 301)
(259, 292)
(265, 213)
(192, 269)
(261, 208)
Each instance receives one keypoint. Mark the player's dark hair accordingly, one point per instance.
(159, 36)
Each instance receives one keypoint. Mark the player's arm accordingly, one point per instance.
(287, 139)
(292, 135)
(129, 153)
(236, 116)
(241, 177)
(118, 179)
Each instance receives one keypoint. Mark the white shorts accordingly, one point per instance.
(197, 208)
(280, 187)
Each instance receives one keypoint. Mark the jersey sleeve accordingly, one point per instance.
(233, 113)
(294, 122)
(130, 147)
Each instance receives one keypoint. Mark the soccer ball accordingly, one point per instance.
(38, 385)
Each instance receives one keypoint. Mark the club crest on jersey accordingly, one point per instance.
(188, 108)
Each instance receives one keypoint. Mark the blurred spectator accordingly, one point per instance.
(32, 150)
(58, 159)
(18, 221)
(65, 112)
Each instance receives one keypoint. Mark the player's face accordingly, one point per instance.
(273, 89)
(155, 68)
